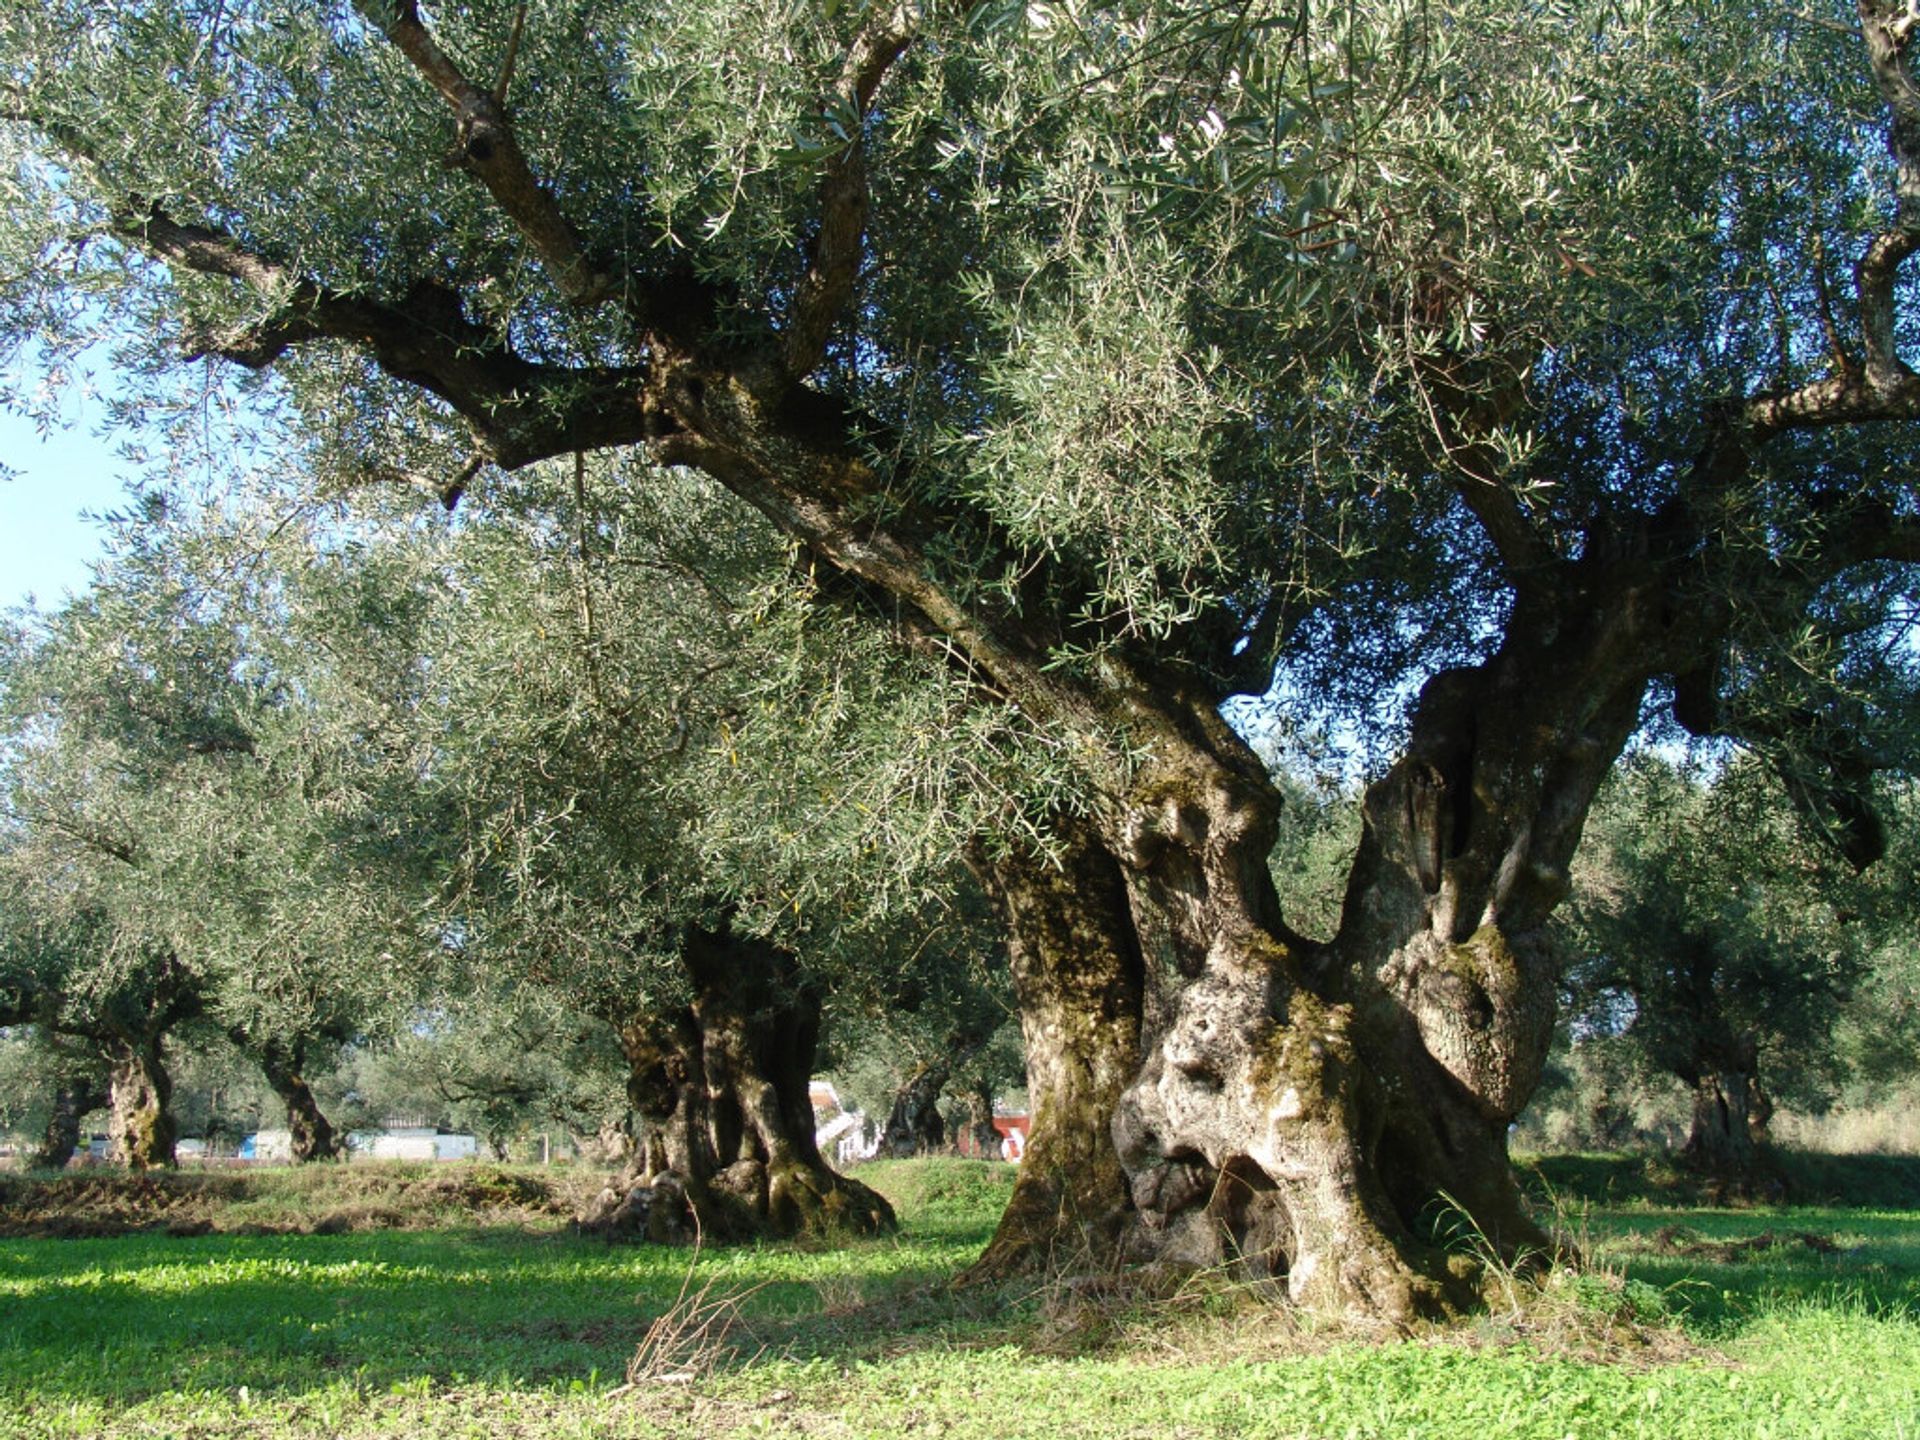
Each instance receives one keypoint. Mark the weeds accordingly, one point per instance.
(689, 1338)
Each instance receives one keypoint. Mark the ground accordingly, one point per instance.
(521, 1330)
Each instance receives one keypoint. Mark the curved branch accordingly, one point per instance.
(1885, 388)
(834, 261)
(524, 410)
(488, 148)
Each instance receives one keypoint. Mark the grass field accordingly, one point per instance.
(522, 1330)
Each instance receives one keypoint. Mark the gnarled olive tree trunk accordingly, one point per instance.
(1077, 977)
(312, 1135)
(1214, 1089)
(1728, 1141)
(914, 1126)
(1728, 1137)
(73, 1101)
(985, 1137)
(141, 1130)
(722, 1090)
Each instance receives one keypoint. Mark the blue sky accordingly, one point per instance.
(44, 544)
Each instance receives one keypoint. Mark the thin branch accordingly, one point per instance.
(92, 836)
(505, 82)
(1462, 412)
(1836, 347)
(1884, 388)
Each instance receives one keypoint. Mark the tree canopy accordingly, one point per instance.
(1498, 380)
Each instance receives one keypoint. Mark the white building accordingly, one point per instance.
(412, 1142)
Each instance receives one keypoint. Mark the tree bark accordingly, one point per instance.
(1728, 1142)
(312, 1134)
(141, 1131)
(1721, 1142)
(1078, 978)
(73, 1101)
(722, 1090)
(980, 1127)
(1333, 1113)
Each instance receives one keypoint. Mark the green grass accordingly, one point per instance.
(511, 1332)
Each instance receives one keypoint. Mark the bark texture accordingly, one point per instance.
(1729, 1125)
(980, 1127)
(914, 1126)
(141, 1129)
(1304, 1108)
(727, 1149)
(311, 1134)
(1077, 976)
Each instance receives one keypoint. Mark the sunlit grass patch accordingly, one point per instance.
(531, 1334)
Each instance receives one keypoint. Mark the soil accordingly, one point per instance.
(329, 1200)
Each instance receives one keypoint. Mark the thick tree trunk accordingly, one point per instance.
(914, 1126)
(981, 1133)
(1721, 1141)
(722, 1089)
(314, 1137)
(612, 1143)
(73, 1101)
(1336, 1114)
(1077, 975)
(141, 1131)
(1728, 1142)
(311, 1133)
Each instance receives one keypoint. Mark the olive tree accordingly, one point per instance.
(47, 1088)
(1720, 942)
(1494, 376)
(198, 809)
(594, 651)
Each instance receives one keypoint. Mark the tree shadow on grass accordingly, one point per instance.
(123, 1319)
(120, 1320)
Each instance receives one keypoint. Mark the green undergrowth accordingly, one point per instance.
(1794, 1176)
(1684, 1327)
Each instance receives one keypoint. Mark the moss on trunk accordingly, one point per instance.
(1078, 978)
(141, 1130)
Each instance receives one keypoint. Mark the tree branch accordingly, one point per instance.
(1884, 388)
(525, 411)
(834, 262)
(1463, 411)
(488, 149)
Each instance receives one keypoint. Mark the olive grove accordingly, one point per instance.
(1497, 380)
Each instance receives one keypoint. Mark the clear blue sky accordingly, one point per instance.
(44, 544)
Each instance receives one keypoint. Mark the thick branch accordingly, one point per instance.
(525, 411)
(1886, 389)
(488, 148)
(834, 263)
(1466, 405)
